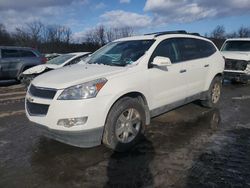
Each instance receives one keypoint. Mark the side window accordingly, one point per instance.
(188, 49)
(194, 48)
(168, 49)
(205, 48)
(26, 53)
(7, 53)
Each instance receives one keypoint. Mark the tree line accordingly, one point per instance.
(58, 38)
(219, 32)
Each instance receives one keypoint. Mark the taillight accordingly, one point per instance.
(44, 60)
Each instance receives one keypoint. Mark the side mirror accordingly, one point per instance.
(162, 61)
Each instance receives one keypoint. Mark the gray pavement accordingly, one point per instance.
(189, 147)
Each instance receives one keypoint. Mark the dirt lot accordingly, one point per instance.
(188, 147)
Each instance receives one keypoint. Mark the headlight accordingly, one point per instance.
(83, 91)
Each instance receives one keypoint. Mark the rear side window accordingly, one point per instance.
(7, 53)
(26, 53)
(194, 48)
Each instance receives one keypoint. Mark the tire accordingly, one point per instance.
(125, 124)
(213, 94)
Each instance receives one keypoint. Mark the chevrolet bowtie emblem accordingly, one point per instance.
(30, 99)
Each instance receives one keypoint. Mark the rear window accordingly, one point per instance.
(7, 53)
(236, 46)
(26, 53)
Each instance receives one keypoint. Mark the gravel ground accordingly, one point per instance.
(189, 147)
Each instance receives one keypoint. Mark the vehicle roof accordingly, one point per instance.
(161, 36)
(238, 39)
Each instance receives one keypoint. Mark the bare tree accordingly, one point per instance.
(21, 37)
(96, 36)
(101, 35)
(232, 35)
(219, 32)
(116, 33)
(57, 33)
(244, 32)
(35, 30)
(5, 38)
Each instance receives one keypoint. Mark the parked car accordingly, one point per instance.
(15, 60)
(51, 56)
(58, 62)
(237, 56)
(111, 98)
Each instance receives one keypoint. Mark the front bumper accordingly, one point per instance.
(94, 109)
(88, 134)
(236, 75)
(84, 139)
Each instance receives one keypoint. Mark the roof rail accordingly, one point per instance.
(196, 34)
(156, 34)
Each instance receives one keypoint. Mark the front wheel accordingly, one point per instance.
(124, 125)
(213, 94)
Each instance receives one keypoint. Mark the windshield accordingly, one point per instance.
(120, 53)
(60, 59)
(236, 46)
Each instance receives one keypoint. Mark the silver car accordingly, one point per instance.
(15, 60)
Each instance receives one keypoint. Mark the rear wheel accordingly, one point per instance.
(214, 93)
(125, 124)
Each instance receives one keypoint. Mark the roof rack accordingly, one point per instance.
(156, 34)
(196, 34)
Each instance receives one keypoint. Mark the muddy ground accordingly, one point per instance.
(188, 147)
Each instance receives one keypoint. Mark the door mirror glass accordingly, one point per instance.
(162, 61)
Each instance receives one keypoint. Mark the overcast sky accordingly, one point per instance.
(143, 15)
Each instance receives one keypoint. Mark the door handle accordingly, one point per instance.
(207, 65)
(183, 70)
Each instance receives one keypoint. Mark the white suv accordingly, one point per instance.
(111, 98)
(237, 54)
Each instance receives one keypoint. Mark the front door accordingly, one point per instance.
(168, 85)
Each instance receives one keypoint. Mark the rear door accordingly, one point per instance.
(194, 53)
(9, 63)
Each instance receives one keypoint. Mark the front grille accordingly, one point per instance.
(45, 93)
(232, 64)
(37, 109)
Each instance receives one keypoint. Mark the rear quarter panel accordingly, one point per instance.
(217, 65)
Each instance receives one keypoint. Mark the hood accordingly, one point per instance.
(75, 74)
(40, 68)
(237, 55)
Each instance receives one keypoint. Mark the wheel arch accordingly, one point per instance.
(208, 83)
(134, 95)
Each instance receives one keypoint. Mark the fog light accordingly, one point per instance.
(70, 122)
